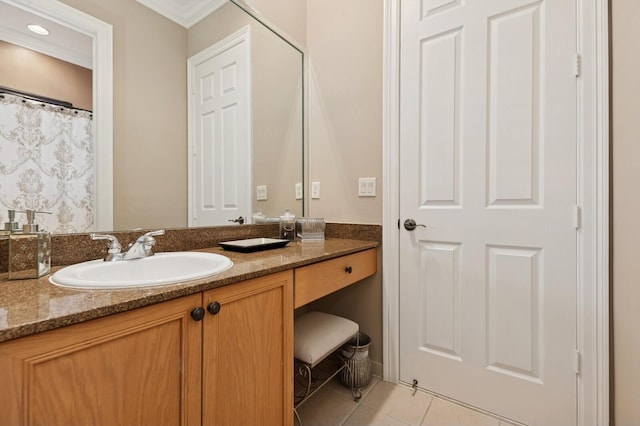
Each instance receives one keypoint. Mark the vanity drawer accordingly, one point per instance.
(315, 281)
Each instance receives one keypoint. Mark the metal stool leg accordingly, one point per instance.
(297, 417)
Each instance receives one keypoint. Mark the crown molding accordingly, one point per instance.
(46, 48)
(183, 12)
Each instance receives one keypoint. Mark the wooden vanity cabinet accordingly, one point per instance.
(139, 367)
(320, 279)
(248, 353)
(157, 365)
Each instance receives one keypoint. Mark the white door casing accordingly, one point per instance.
(448, 199)
(219, 120)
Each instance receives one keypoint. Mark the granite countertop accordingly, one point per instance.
(32, 306)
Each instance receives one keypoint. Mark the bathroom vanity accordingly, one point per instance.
(212, 351)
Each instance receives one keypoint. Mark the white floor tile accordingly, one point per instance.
(338, 387)
(387, 404)
(398, 402)
(445, 413)
(326, 408)
(366, 416)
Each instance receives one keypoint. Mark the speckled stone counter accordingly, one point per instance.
(32, 306)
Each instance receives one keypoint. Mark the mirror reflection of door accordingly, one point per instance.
(220, 132)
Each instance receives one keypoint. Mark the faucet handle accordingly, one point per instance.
(154, 233)
(114, 246)
(147, 238)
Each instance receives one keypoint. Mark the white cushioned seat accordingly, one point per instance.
(317, 334)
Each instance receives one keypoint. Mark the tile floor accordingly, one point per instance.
(387, 404)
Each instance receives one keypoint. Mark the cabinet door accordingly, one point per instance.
(248, 353)
(140, 367)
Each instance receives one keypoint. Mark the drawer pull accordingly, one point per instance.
(348, 269)
(213, 308)
(197, 313)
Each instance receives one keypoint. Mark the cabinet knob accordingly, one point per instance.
(197, 313)
(348, 269)
(213, 308)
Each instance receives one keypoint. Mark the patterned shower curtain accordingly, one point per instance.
(46, 164)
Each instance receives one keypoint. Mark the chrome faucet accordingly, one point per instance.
(143, 245)
(141, 248)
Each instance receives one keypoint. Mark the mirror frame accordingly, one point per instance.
(102, 35)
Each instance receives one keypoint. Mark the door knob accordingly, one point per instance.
(411, 224)
(239, 220)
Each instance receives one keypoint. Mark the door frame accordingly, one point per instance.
(593, 198)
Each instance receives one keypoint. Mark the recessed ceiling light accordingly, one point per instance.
(38, 29)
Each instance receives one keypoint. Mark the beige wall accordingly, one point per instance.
(625, 96)
(344, 41)
(289, 16)
(29, 71)
(149, 114)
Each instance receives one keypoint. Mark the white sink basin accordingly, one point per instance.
(159, 269)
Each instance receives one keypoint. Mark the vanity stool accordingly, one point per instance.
(316, 336)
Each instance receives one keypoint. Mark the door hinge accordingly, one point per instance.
(577, 362)
(577, 217)
(578, 65)
(398, 223)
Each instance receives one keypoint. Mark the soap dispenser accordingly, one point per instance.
(30, 250)
(288, 226)
(11, 225)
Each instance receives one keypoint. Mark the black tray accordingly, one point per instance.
(253, 244)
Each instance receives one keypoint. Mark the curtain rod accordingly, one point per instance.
(39, 98)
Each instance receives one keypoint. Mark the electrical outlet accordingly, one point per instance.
(261, 192)
(315, 190)
(298, 191)
(367, 187)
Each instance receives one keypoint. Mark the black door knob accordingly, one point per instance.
(213, 308)
(411, 224)
(197, 313)
(348, 269)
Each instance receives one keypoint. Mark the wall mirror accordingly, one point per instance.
(274, 80)
(277, 159)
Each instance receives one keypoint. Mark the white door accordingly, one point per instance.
(488, 165)
(220, 132)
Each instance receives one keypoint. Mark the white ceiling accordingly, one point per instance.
(62, 42)
(183, 12)
(77, 48)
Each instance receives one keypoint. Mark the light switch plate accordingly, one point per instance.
(298, 191)
(315, 190)
(261, 192)
(367, 187)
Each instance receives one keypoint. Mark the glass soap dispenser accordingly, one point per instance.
(29, 250)
(288, 226)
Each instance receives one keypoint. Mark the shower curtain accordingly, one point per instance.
(47, 164)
